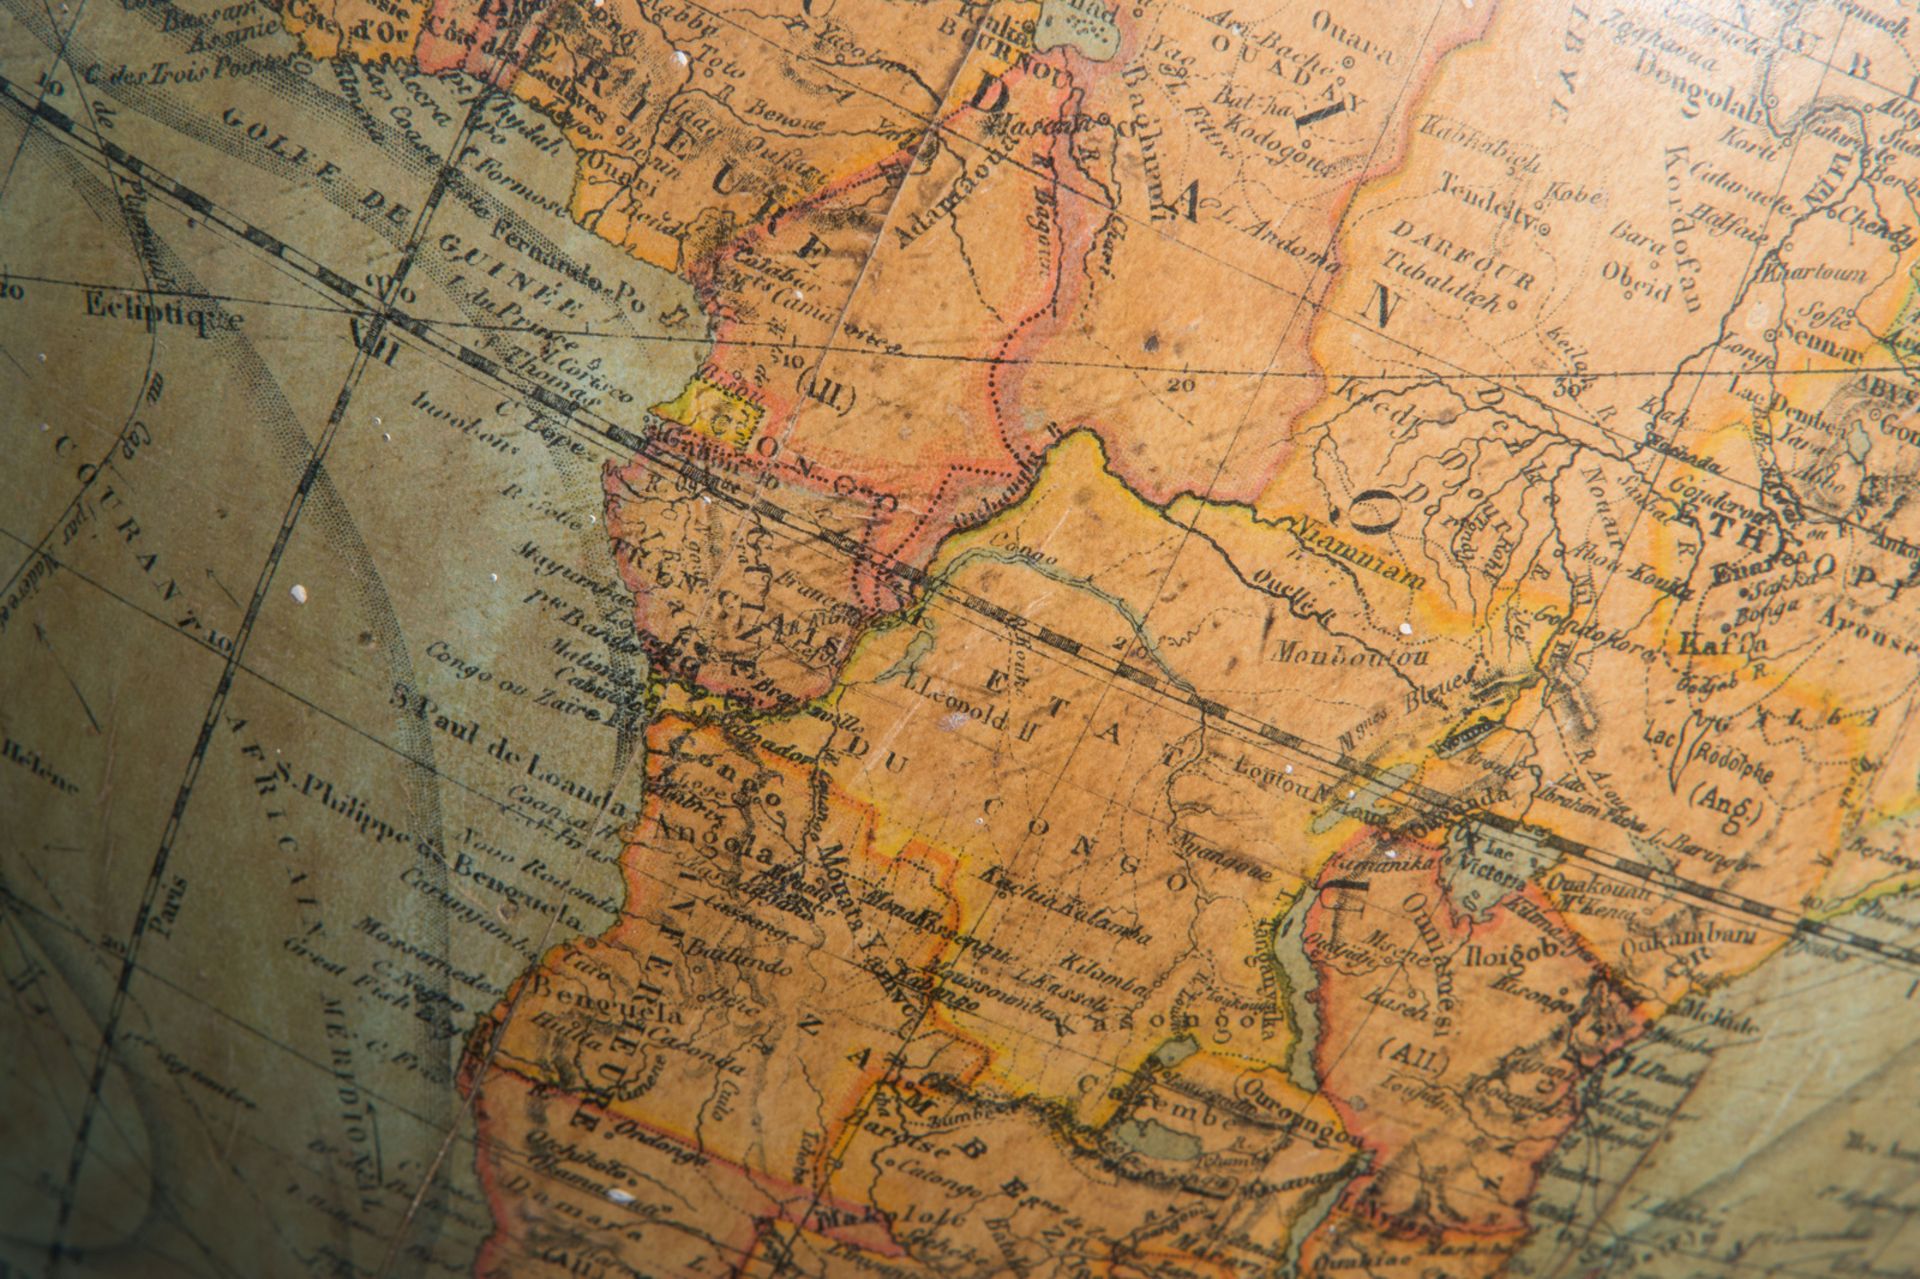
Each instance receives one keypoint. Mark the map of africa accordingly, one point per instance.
(959, 639)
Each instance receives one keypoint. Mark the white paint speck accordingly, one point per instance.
(388, 438)
(1392, 853)
(1289, 768)
(494, 576)
(680, 56)
(299, 593)
(1406, 628)
(616, 1194)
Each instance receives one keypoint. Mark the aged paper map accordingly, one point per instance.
(958, 639)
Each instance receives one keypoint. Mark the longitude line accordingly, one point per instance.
(57, 1250)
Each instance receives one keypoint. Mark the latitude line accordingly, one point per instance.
(951, 357)
(320, 275)
(623, 444)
